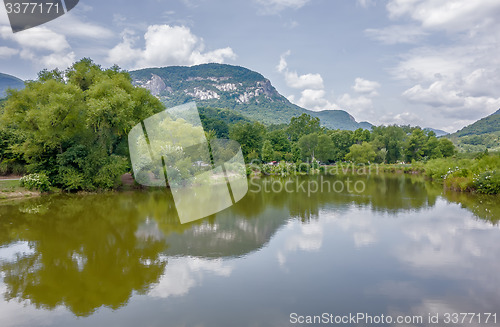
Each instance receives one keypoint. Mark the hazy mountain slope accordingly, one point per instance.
(231, 87)
(438, 132)
(9, 81)
(481, 135)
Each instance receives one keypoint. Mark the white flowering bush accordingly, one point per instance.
(36, 182)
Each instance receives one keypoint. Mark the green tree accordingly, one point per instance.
(361, 135)
(74, 129)
(390, 138)
(267, 151)
(249, 135)
(324, 151)
(446, 147)
(415, 145)
(342, 141)
(308, 144)
(279, 140)
(361, 153)
(303, 125)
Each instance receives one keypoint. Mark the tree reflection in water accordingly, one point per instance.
(97, 250)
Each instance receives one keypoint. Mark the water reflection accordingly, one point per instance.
(383, 250)
(84, 253)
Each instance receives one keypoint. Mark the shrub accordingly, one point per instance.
(458, 184)
(488, 182)
(36, 182)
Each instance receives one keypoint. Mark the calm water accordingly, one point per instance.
(400, 247)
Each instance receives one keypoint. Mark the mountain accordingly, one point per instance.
(438, 132)
(9, 81)
(234, 88)
(481, 135)
(339, 119)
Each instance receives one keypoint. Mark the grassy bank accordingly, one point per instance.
(10, 189)
(478, 175)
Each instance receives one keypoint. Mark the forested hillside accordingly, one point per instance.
(479, 136)
(234, 88)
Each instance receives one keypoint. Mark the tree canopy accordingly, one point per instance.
(72, 125)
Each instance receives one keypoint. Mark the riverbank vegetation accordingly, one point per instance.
(68, 130)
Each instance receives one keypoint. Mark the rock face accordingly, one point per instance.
(155, 85)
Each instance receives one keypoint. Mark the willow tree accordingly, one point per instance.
(72, 125)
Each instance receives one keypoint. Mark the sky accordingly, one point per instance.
(431, 63)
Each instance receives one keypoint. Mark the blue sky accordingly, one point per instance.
(431, 63)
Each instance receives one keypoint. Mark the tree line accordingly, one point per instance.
(305, 140)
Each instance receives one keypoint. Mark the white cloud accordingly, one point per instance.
(6, 52)
(306, 81)
(296, 81)
(435, 95)
(79, 28)
(37, 38)
(450, 15)
(42, 46)
(275, 6)
(461, 81)
(397, 34)
(458, 80)
(367, 87)
(166, 45)
(354, 103)
(315, 100)
(282, 66)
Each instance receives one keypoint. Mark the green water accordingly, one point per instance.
(396, 245)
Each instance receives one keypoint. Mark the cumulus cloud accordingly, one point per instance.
(42, 46)
(296, 81)
(312, 94)
(397, 34)
(461, 81)
(435, 95)
(365, 86)
(314, 97)
(276, 6)
(307, 81)
(458, 80)
(6, 52)
(315, 100)
(79, 28)
(165, 45)
(456, 15)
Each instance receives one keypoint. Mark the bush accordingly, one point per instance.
(488, 182)
(36, 182)
(458, 184)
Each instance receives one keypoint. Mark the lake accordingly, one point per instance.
(395, 247)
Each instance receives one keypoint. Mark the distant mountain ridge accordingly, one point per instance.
(438, 132)
(235, 88)
(9, 81)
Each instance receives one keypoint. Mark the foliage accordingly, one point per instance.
(249, 135)
(35, 182)
(488, 182)
(302, 125)
(480, 174)
(308, 145)
(361, 153)
(72, 125)
(267, 151)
